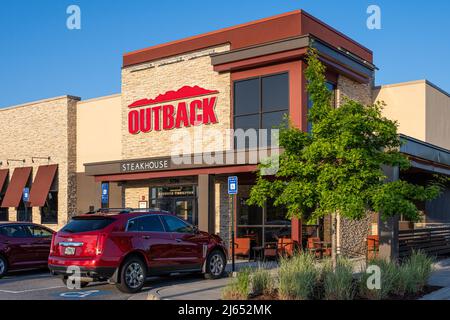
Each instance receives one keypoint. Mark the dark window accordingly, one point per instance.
(173, 224)
(78, 225)
(247, 97)
(49, 212)
(145, 224)
(4, 214)
(15, 231)
(330, 86)
(260, 103)
(38, 232)
(275, 92)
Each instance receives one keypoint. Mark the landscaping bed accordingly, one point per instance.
(302, 278)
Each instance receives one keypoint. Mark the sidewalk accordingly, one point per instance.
(197, 288)
(440, 278)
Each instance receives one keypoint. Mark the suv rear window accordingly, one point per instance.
(79, 225)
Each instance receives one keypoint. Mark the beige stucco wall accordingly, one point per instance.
(421, 110)
(405, 103)
(99, 139)
(41, 129)
(154, 78)
(437, 117)
(99, 135)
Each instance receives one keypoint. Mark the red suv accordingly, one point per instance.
(126, 246)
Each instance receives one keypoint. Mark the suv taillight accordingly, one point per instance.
(52, 246)
(101, 243)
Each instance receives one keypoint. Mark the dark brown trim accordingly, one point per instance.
(260, 50)
(179, 173)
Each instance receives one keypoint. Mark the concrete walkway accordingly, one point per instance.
(196, 287)
(440, 278)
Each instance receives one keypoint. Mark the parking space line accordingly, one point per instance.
(30, 290)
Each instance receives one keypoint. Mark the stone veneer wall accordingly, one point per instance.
(352, 235)
(151, 79)
(41, 129)
(223, 214)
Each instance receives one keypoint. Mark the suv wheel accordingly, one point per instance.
(3, 267)
(215, 265)
(132, 275)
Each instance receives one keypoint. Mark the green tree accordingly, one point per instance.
(337, 168)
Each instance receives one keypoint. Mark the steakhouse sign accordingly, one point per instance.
(186, 107)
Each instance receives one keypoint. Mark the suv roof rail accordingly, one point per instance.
(129, 210)
(119, 210)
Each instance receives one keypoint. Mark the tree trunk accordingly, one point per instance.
(334, 240)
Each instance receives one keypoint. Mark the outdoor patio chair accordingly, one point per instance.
(242, 247)
(373, 246)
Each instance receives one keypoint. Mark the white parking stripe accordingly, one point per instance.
(31, 290)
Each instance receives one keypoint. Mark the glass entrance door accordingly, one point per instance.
(181, 201)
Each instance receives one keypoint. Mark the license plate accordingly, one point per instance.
(69, 251)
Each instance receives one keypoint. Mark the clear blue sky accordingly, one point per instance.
(41, 58)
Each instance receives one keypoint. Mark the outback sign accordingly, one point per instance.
(188, 106)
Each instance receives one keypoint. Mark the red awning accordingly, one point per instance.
(15, 189)
(3, 177)
(42, 184)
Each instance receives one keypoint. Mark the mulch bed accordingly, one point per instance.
(425, 291)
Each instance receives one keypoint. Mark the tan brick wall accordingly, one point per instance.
(151, 79)
(347, 88)
(41, 129)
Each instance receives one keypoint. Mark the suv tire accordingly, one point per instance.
(3, 267)
(132, 275)
(215, 265)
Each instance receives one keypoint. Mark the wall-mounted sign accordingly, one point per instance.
(172, 110)
(145, 165)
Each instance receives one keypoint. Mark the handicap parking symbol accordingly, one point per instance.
(81, 294)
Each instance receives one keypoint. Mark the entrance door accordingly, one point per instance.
(181, 201)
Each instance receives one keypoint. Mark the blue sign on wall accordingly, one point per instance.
(232, 185)
(26, 194)
(105, 193)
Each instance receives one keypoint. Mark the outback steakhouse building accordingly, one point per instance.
(181, 97)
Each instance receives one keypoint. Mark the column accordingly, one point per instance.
(206, 207)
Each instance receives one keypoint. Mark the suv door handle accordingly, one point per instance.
(179, 240)
(146, 237)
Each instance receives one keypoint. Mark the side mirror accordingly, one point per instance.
(196, 230)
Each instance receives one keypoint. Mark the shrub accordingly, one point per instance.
(261, 282)
(238, 288)
(338, 284)
(414, 273)
(389, 279)
(297, 277)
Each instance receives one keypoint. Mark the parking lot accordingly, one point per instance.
(40, 285)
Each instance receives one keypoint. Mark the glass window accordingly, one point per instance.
(249, 215)
(174, 224)
(246, 97)
(15, 231)
(4, 214)
(275, 92)
(268, 114)
(79, 225)
(49, 212)
(145, 224)
(38, 232)
(276, 215)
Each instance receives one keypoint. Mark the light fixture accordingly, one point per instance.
(40, 158)
(15, 160)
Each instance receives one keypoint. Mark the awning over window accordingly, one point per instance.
(42, 184)
(3, 177)
(15, 189)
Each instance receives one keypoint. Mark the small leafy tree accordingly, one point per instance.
(337, 168)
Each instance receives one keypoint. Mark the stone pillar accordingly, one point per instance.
(388, 230)
(206, 206)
